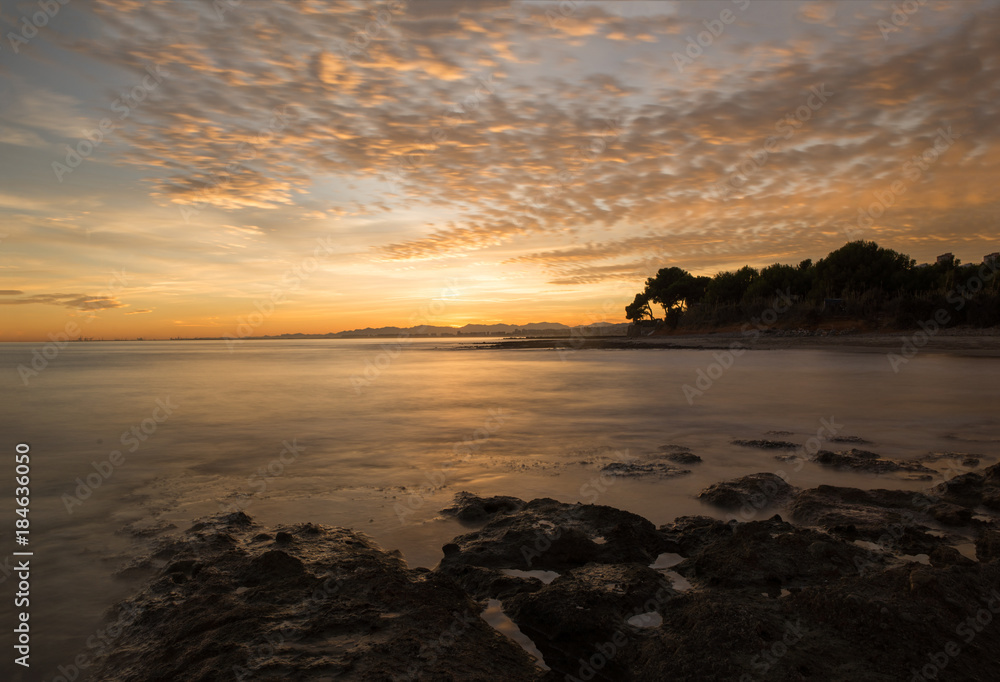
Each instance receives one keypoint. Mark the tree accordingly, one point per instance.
(688, 290)
(862, 266)
(638, 309)
(659, 289)
(729, 287)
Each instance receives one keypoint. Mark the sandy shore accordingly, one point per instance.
(966, 342)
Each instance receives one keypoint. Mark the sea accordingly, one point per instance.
(128, 443)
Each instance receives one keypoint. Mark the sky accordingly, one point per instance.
(184, 168)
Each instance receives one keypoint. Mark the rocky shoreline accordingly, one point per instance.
(827, 583)
(969, 342)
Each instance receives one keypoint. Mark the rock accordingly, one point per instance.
(868, 626)
(474, 509)
(893, 519)
(647, 469)
(754, 491)
(864, 460)
(691, 533)
(569, 619)
(950, 514)
(991, 499)
(766, 444)
(955, 459)
(774, 553)
(966, 489)
(337, 606)
(550, 535)
(684, 457)
(945, 555)
(988, 545)
(850, 439)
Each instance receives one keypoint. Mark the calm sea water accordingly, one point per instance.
(378, 436)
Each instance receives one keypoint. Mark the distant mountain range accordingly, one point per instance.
(530, 329)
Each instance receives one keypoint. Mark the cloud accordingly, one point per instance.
(139, 312)
(71, 301)
(495, 121)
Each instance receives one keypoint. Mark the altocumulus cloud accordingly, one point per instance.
(370, 84)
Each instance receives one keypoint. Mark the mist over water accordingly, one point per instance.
(377, 436)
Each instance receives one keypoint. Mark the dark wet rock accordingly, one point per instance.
(579, 611)
(331, 605)
(955, 459)
(991, 499)
(945, 555)
(490, 583)
(644, 469)
(766, 444)
(891, 518)
(684, 457)
(857, 440)
(864, 460)
(551, 535)
(756, 491)
(867, 627)
(474, 509)
(774, 553)
(988, 545)
(691, 533)
(811, 604)
(966, 489)
(950, 514)
(674, 448)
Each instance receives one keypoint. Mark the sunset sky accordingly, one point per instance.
(398, 163)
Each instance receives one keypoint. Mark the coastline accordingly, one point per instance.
(860, 581)
(963, 342)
